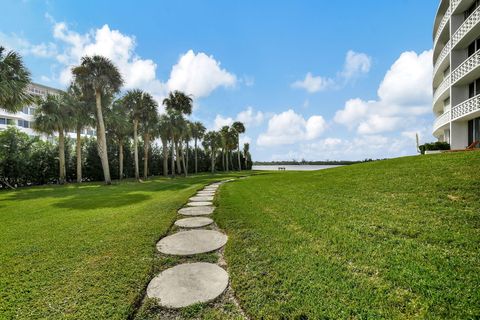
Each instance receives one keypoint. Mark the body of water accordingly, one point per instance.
(293, 167)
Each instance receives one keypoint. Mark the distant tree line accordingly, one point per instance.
(312, 163)
(126, 127)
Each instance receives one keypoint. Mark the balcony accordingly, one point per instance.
(465, 69)
(441, 121)
(441, 58)
(454, 4)
(460, 36)
(466, 108)
(442, 88)
(442, 25)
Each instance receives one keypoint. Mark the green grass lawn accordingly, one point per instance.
(84, 252)
(396, 239)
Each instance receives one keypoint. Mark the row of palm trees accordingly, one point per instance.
(92, 100)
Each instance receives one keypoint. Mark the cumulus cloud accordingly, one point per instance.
(199, 74)
(313, 84)
(355, 64)
(289, 127)
(24, 47)
(249, 117)
(404, 94)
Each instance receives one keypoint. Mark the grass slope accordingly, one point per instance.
(83, 252)
(396, 239)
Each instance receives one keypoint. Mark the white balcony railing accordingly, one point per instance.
(441, 88)
(442, 25)
(466, 67)
(466, 107)
(443, 54)
(454, 4)
(441, 121)
(466, 26)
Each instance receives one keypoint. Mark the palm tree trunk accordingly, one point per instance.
(146, 144)
(184, 162)
(177, 156)
(226, 158)
(135, 148)
(246, 161)
(173, 159)
(186, 159)
(102, 139)
(239, 161)
(120, 159)
(165, 157)
(61, 156)
(79, 155)
(223, 160)
(213, 161)
(196, 151)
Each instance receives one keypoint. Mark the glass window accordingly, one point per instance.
(3, 121)
(11, 122)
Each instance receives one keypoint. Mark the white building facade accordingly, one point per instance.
(23, 120)
(456, 73)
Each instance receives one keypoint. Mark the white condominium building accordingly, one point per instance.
(456, 72)
(23, 120)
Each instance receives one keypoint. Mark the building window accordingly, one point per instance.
(23, 123)
(11, 122)
(471, 9)
(3, 121)
(473, 130)
(474, 88)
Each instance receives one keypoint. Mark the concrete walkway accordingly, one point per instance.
(190, 283)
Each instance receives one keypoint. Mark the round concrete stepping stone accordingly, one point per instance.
(200, 204)
(201, 198)
(196, 211)
(187, 284)
(191, 242)
(196, 222)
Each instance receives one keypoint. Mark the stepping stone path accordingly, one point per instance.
(196, 222)
(190, 283)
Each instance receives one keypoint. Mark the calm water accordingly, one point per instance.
(293, 167)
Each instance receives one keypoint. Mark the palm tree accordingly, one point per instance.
(176, 124)
(246, 153)
(239, 128)
(186, 137)
(224, 142)
(14, 80)
(120, 129)
(52, 116)
(211, 141)
(231, 144)
(198, 131)
(164, 133)
(81, 109)
(102, 79)
(180, 104)
(149, 123)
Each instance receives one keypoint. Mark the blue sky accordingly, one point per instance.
(311, 79)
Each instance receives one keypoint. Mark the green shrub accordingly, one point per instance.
(434, 146)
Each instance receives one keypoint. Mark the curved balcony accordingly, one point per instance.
(442, 59)
(464, 34)
(466, 108)
(441, 121)
(442, 89)
(464, 72)
(442, 25)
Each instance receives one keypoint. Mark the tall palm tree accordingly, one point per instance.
(180, 104)
(99, 76)
(149, 123)
(14, 80)
(239, 128)
(52, 116)
(224, 142)
(211, 142)
(138, 103)
(231, 144)
(119, 128)
(186, 137)
(246, 153)
(81, 110)
(198, 131)
(164, 133)
(176, 124)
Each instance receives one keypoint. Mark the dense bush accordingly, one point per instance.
(434, 146)
(26, 160)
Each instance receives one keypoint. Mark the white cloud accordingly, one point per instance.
(289, 127)
(198, 75)
(356, 64)
(24, 47)
(250, 118)
(221, 121)
(404, 94)
(313, 84)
